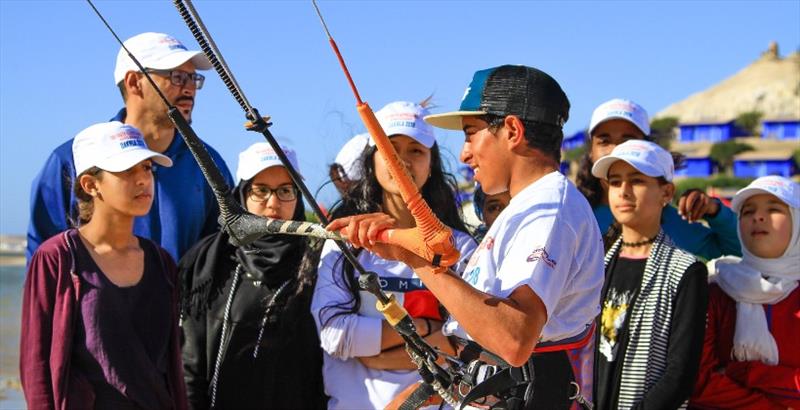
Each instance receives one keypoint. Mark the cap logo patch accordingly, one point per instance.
(128, 138)
(132, 143)
(172, 43)
(466, 92)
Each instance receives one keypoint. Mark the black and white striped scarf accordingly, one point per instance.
(650, 319)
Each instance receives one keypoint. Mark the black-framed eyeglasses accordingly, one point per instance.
(181, 78)
(260, 193)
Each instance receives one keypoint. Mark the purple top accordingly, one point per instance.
(52, 308)
(122, 334)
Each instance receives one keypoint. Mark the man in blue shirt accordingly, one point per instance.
(184, 209)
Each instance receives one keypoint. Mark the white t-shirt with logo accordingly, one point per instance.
(547, 238)
(350, 384)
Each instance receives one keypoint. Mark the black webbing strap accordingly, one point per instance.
(421, 394)
(507, 379)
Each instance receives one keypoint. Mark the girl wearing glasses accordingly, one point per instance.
(250, 341)
(99, 310)
(366, 364)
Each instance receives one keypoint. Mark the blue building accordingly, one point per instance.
(710, 132)
(759, 164)
(573, 141)
(696, 167)
(780, 129)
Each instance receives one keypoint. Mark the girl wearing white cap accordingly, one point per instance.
(654, 296)
(616, 121)
(750, 356)
(99, 314)
(366, 365)
(250, 341)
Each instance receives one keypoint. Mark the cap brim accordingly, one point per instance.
(126, 160)
(177, 59)
(424, 139)
(745, 193)
(601, 167)
(250, 174)
(450, 120)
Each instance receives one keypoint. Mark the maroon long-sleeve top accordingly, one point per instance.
(50, 306)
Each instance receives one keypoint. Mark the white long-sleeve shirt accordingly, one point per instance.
(346, 337)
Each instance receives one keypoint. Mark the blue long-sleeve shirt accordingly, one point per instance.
(708, 242)
(184, 209)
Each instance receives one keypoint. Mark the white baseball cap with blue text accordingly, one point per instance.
(112, 146)
(261, 156)
(406, 118)
(157, 51)
(647, 157)
(783, 188)
(622, 110)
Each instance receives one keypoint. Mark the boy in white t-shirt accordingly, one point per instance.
(530, 293)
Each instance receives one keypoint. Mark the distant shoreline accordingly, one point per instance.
(12, 260)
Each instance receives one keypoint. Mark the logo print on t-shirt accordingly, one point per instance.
(615, 312)
(542, 255)
(472, 276)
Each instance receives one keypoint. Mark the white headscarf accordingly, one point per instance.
(752, 282)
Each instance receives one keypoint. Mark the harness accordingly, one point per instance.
(479, 384)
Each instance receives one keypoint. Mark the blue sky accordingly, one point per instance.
(57, 61)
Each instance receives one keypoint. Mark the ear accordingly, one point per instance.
(668, 192)
(516, 131)
(89, 185)
(132, 84)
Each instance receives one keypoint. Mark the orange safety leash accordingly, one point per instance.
(430, 239)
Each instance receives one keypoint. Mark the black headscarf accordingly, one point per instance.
(206, 267)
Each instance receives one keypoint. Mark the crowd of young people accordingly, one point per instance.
(594, 292)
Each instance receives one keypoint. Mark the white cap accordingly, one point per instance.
(112, 146)
(623, 110)
(647, 157)
(402, 117)
(348, 157)
(157, 51)
(784, 188)
(261, 156)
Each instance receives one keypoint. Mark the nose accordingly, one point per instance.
(465, 155)
(190, 89)
(625, 192)
(142, 176)
(405, 157)
(273, 201)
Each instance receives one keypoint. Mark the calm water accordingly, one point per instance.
(11, 279)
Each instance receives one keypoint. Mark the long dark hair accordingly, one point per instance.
(588, 184)
(366, 196)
